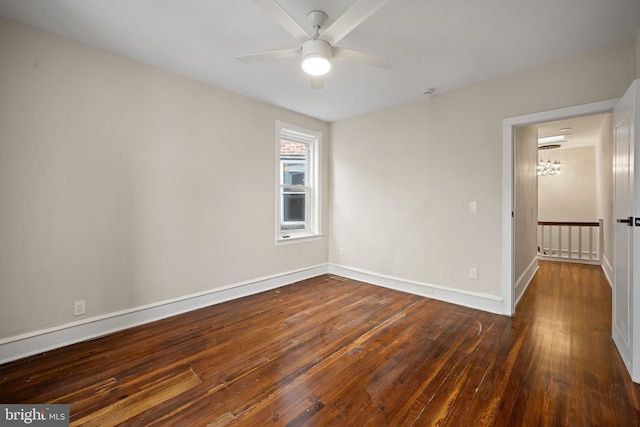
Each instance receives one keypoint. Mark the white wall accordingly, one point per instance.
(402, 178)
(570, 196)
(124, 185)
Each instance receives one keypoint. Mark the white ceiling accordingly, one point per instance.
(581, 131)
(442, 44)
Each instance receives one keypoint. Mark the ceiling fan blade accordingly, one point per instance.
(283, 18)
(348, 55)
(354, 16)
(317, 82)
(269, 56)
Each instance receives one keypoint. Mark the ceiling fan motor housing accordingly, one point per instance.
(316, 47)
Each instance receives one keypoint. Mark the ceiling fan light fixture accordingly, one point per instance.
(316, 65)
(316, 56)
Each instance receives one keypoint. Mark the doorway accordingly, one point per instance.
(508, 242)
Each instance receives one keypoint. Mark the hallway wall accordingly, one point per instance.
(604, 190)
(570, 196)
(525, 205)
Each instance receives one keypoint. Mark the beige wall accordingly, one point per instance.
(403, 177)
(124, 185)
(570, 196)
(525, 198)
(604, 188)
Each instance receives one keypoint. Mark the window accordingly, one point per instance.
(298, 190)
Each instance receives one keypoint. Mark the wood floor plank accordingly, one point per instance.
(330, 351)
(155, 394)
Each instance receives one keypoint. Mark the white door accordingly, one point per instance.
(626, 235)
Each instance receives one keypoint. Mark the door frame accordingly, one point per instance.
(508, 173)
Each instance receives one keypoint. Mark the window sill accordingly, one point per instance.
(298, 239)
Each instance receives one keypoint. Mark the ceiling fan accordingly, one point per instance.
(318, 48)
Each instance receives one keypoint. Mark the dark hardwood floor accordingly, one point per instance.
(328, 351)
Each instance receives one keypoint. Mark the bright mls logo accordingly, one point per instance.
(36, 415)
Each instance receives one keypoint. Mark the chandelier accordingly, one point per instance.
(548, 167)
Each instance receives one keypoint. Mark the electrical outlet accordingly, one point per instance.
(79, 308)
(341, 251)
(473, 207)
(473, 273)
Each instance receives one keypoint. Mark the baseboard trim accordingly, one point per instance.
(525, 279)
(623, 350)
(477, 300)
(572, 260)
(28, 344)
(607, 268)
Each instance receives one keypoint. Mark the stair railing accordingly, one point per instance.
(570, 241)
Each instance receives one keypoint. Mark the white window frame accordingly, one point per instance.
(312, 188)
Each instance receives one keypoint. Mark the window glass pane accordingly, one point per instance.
(293, 209)
(293, 156)
(293, 161)
(295, 178)
(293, 173)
